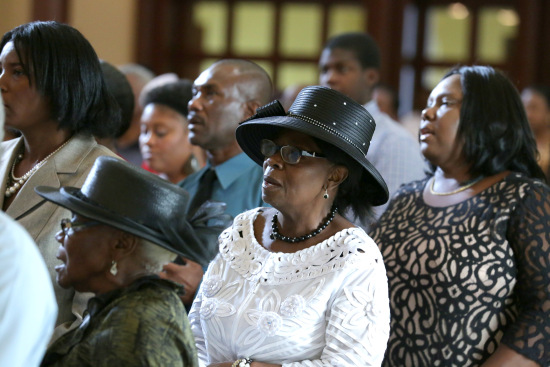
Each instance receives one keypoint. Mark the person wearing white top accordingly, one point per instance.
(350, 64)
(298, 284)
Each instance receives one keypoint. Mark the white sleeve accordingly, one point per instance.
(196, 328)
(358, 321)
(28, 308)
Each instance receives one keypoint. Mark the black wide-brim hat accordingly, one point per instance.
(322, 113)
(133, 200)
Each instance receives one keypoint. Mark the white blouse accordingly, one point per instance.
(326, 305)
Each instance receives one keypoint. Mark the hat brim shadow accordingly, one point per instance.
(67, 198)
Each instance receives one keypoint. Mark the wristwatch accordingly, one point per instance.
(242, 362)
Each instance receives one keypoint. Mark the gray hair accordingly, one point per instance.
(153, 257)
(144, 75)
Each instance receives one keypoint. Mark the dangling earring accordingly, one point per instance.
(114, 269)
(325, 196)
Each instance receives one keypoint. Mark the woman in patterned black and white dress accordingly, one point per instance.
(468, 250)
(298, 284)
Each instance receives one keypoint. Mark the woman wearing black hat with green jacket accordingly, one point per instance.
(126, 224)
(298, 284)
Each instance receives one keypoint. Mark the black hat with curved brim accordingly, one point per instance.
(133, 200)
(322, 113)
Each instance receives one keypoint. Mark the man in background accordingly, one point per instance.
(225, 94)
(350, 64)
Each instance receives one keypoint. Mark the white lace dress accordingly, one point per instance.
(326, 305)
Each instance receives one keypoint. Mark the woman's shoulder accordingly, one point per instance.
(251, 214)
(412, 187)
(349, 248)
(243, 224)
(150, 302)
(141, 322)
(90, 147)
(355, 241)
(517, 178)
(529, 194)
(518, 187)
(77, 159)
(153, 287)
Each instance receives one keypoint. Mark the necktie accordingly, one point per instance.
(204, 192)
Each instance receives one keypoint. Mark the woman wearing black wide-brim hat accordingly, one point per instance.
(299, 282)
(127, 224)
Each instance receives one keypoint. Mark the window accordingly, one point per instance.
(284, 37)
(451, 34)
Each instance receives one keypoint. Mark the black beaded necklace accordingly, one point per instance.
(276, 235)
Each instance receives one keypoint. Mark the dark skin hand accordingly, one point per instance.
(188, 275)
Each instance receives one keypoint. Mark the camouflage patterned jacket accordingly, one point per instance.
(144, 324)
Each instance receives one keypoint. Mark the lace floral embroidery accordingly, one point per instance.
(212, 307)
(212, 285)
(293, 306)
(269, 323)
(208, 308)
(245, 255)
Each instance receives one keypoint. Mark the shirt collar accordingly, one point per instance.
(232, 169)
(371, 106)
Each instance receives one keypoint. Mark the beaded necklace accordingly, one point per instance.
(276, 235)
(466, 186)
(15, 183)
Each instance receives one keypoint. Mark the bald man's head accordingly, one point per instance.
(225, 94)
(251, 80)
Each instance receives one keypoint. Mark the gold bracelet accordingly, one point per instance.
(242, 362)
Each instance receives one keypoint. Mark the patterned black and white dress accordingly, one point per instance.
(467, 277)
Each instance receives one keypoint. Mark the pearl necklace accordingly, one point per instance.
(466, 186)
(18, 182)
(276, 235)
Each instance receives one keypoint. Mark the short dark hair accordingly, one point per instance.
(392, 92)
(120, 88)
(493, 124)
(64, 67)
(357, 189)
(175, 95)
(542, 90)
(361, 44)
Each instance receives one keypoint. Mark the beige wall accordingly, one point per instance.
(13, 13)
(108, 24)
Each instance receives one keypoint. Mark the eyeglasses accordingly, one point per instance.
(290, 154)
(67, 224)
